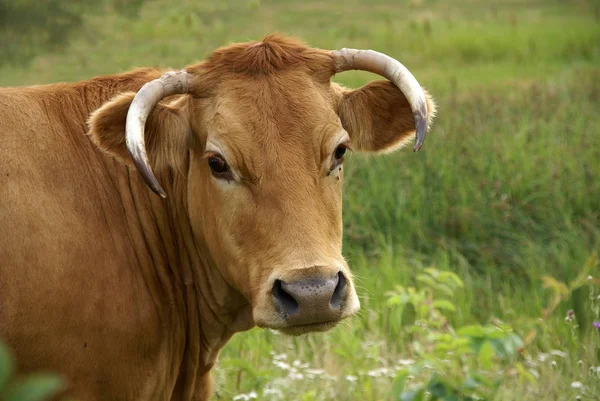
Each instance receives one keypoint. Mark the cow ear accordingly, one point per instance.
(378, 117)
(167, 130)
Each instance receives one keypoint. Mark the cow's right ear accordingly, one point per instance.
(377, 116)
(167, 130)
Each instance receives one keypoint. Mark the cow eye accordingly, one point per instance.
(339, 152)
(338, 157)
(219, 167)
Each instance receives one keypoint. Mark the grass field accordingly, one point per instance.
(505, 191)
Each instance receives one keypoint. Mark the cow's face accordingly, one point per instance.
(269, 170)
(264, 156)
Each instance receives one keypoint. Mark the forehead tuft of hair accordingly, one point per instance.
(275, 53)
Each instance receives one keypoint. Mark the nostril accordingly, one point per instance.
(285, 300)
(339, 292)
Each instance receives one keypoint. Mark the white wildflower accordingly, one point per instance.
(280, 356)
(351, 378)
(294, 375)
(406, 362)
(378, 372)
(299, 364)
(542, 357)
(316, 372)
(576, 385)
(273, 391)
(245, 397)
(282, 365)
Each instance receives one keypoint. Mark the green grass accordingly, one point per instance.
(505, 191)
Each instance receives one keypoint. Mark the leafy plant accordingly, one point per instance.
(454, 363)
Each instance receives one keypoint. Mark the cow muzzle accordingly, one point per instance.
(307, 300)
(312, 300)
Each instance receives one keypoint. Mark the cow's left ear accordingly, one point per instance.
(377, 116)
(167, 130)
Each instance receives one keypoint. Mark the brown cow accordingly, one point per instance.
(132, 295)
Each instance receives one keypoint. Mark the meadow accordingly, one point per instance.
(505, 195)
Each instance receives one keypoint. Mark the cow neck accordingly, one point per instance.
(221, 310)
(206, 311)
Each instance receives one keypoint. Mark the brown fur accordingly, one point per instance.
(130, 296)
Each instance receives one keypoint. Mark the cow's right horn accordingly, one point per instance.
(171, 83)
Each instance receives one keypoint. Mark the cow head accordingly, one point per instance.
(260, 132)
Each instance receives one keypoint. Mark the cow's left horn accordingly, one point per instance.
(384, 65)
(171, 83)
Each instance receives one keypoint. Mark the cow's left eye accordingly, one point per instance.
(219, 167)
(339, 153)
(338, 156)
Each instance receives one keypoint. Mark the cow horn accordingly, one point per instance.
(384, 65)
(171, 83)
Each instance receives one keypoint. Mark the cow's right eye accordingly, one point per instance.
(219, 167)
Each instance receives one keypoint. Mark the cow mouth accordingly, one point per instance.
(300, 329)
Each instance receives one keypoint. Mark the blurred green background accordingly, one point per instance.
(504, 192)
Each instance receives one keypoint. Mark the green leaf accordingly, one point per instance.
(485, 382)
(471, 383)
(449, 276)
(476, 344)
(438, 389)
(426, 280)
(400, 381)
(485, 355)
(34, 388)
(445, 289)
(409, 315)
(472, 331)
(415, 395)
(6, 365)
(441, 390)
(507, 347)
(394, 300)
(444, 304)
